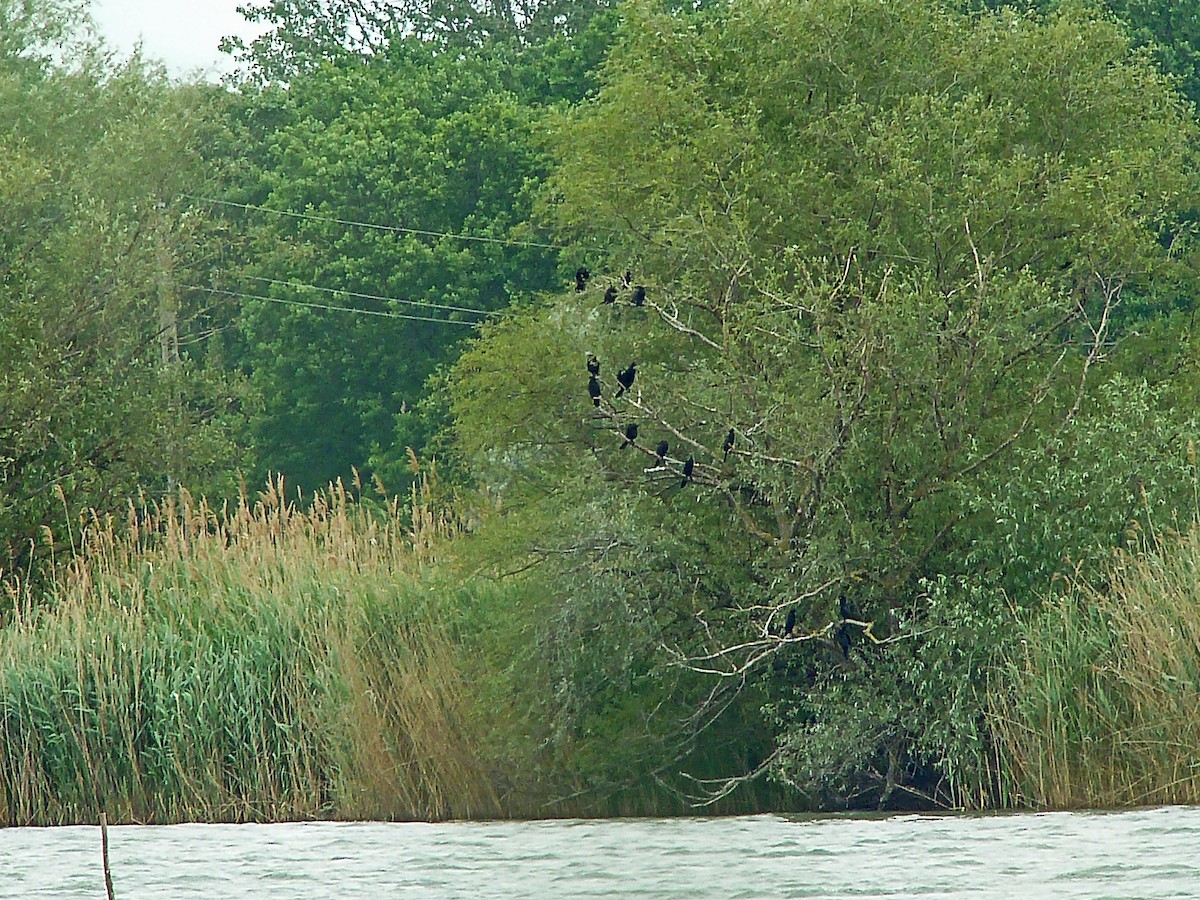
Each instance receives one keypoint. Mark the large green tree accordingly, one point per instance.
(435, 152)
(1171, 31)
(436, 160)
(887, 251)
(304, 34)
(99, 396)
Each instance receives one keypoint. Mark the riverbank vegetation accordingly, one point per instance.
(783, 404)
(1095, 709)
(256, 663)
(266, 661)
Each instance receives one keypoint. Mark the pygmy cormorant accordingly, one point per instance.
(626, 378)
(847, 609)
(842, 636)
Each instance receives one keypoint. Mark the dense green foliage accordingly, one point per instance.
(97, 398)
(901, 282)
(1171, 31)
(439, 153)
(917, 333)
(414, 141)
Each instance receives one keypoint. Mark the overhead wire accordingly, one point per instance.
(386, 314)
(400, 229)
(358, 294)
(427, 303)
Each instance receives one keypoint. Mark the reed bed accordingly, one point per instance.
(262, 662)
(1101, 708)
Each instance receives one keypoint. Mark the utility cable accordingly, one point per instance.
(329, 290)
(326, 306)
(393, 228)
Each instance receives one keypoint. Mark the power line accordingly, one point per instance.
(394, 228)
(328, 290)
(346, 309)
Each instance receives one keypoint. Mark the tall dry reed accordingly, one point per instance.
(263, 661)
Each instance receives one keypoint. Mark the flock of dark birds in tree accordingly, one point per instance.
(636, 298)
(625, 379)
(841, 635)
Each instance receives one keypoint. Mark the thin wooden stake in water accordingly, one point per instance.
(104, 852)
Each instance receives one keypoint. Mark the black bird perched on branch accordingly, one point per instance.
(627, 279)
(639, 295)
(581, 278)
(594, 390)
(631, 431)
(688, 465)
(661, 451)
(626, 378)
(610, 296)
(593, 365)
(790, 623)
(847, 609)
(728, 445)
(842, 636)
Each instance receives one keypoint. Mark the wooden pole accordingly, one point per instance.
(104, 853)
(168, 329)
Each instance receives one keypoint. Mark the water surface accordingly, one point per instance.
(1142, 854)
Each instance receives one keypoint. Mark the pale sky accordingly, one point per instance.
(182, 33)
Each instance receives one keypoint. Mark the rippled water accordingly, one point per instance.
(1143, 854)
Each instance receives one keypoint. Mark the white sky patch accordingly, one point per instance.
(183, 34)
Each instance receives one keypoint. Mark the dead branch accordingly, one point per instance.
(723, 787)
